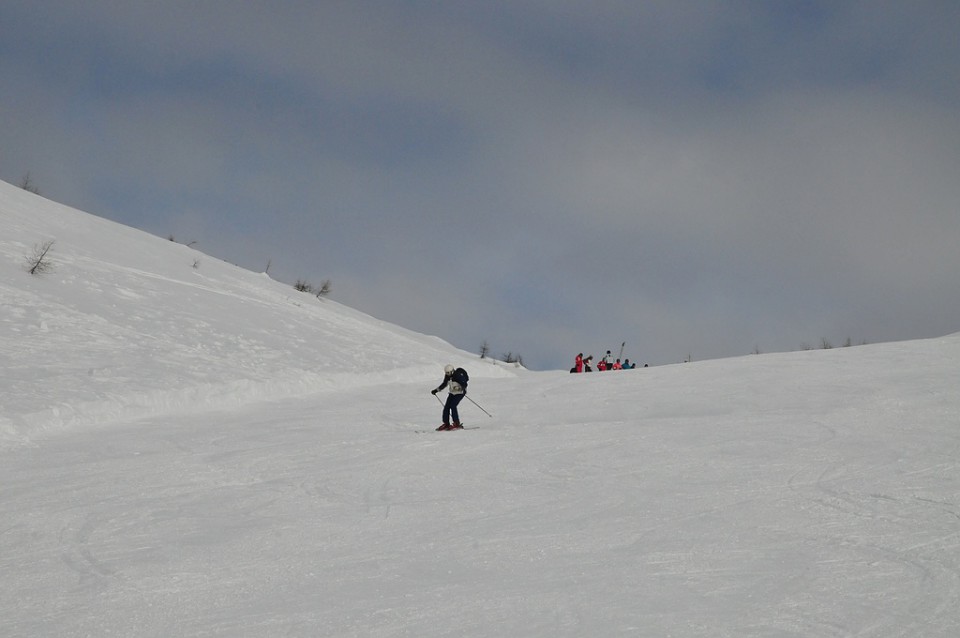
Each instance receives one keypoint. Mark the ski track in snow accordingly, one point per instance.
(312, 516)
(204, 452)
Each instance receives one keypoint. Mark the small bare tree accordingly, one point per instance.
(325, 287)
(484, 350)
(26, 183)
(39, 263)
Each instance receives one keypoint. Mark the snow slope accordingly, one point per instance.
(130, 325)
(205, 452)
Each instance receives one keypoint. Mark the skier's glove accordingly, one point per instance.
(434, 391)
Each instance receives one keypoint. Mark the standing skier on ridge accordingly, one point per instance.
(455, 380)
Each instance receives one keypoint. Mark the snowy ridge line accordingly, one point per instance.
(203, 397)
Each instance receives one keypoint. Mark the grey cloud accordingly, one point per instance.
(695, 179)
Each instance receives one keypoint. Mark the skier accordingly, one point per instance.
(608, 361)
(455, 380)
(578, 363)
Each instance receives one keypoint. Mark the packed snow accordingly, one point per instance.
(191, 449)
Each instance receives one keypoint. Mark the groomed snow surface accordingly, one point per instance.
(191, 449)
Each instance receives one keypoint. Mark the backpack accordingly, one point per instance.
(460, 376)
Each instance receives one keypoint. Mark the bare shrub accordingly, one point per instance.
(26, 183)
(302, 286)
(325, 287)
(39, 262)
(510, 357)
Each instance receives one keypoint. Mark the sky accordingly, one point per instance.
(696, 180)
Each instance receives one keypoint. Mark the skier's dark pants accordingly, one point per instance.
(450, 407)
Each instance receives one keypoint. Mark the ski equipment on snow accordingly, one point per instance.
(449, 429)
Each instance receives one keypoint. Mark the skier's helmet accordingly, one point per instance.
(448, 369)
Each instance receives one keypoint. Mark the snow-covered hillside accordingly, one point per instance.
(129, 325)
(201, 451)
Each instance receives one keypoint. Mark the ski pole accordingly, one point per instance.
(478, 405)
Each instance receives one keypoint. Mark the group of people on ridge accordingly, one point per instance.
(455, 381)
(606, 362)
